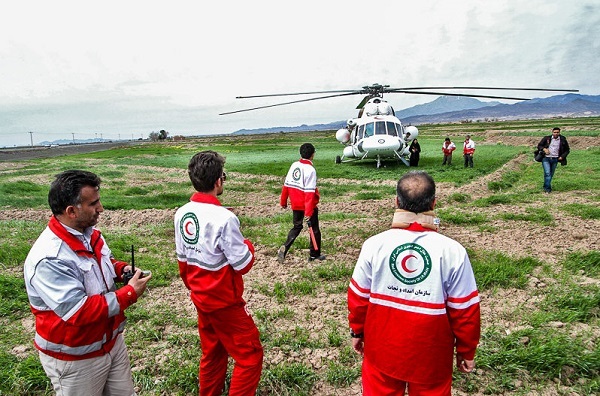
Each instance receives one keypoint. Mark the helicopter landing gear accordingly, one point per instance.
(338, 159)
(378, 162)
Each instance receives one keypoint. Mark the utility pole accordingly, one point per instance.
(31, 137)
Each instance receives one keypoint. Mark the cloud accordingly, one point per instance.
(200, 56)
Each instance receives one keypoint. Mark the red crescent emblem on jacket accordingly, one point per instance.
(403, 263)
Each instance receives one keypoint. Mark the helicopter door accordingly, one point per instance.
(360, 133)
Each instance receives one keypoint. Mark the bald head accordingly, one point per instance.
(416, 192)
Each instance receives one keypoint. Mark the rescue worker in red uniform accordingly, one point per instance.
(413, 301)
(468, 151)
(213, 255)
(70, 276)
(300, 187)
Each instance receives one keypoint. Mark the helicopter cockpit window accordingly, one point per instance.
(391, 128)
(369, 129)
(380, 128)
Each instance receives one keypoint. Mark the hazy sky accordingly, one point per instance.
(123, 69)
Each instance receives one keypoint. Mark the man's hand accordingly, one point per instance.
(358, 345)
(139, 285)
(307, 221)
(464, 365)
(284, 206)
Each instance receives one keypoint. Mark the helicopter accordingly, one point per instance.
(376, 133)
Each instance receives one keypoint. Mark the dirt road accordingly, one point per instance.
(27, 153)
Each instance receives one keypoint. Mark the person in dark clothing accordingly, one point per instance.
(556, 149)
(415, 153)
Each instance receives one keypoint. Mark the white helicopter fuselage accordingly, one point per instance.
(376, 134)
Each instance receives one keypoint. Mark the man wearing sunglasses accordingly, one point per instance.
(213, 255)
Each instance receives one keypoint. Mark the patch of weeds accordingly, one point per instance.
(535, 215)
(545, 355)
(295, 339)
(182, 376)
(455, 217)
(23, 195)
(494, 269)
(341, 376)
(459, 198)
(487, 228)
(334, 338)
(333, 272)
(367, 195)
(302, 288)
(584, 211)
(508, 180)
(278, 291)
(574, 303)
(22, 376)
(13, 302)
(287, 379)
(588, 262)
(504, 199)
(17, 238)
(264, 315)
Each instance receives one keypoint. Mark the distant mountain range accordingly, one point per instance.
(456, 108)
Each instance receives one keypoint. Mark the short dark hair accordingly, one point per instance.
(307, 150)
(204, 169)
(416, 192)
(556, 129)
(66, 188)
(447, 139)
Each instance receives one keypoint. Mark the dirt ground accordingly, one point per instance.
(513, 238)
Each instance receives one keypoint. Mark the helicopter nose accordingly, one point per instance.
(381, 143)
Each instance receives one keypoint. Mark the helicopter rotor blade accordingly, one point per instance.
(287, 103)
(457, 94)
(489, 88)
(363, 102)
(375, 90)
(350, 91)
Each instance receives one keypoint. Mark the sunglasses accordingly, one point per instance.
(224, 176)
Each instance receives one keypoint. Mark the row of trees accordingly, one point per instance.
(158, 136)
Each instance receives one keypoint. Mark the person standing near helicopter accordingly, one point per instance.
(415, 152)
(468, 151)
(447, 148)
(300, 187)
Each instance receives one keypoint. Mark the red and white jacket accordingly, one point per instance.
(72, 292)
(413, 295)
(469, 146)
(301, 187)
(448, 147)
(211, 252)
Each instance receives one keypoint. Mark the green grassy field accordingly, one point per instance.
(541, 312)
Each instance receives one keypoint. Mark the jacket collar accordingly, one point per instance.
(205, 198)
(74, 243)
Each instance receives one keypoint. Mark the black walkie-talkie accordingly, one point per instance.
(127, 275)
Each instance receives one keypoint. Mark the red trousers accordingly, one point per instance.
(229, 332)
(375, 383)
